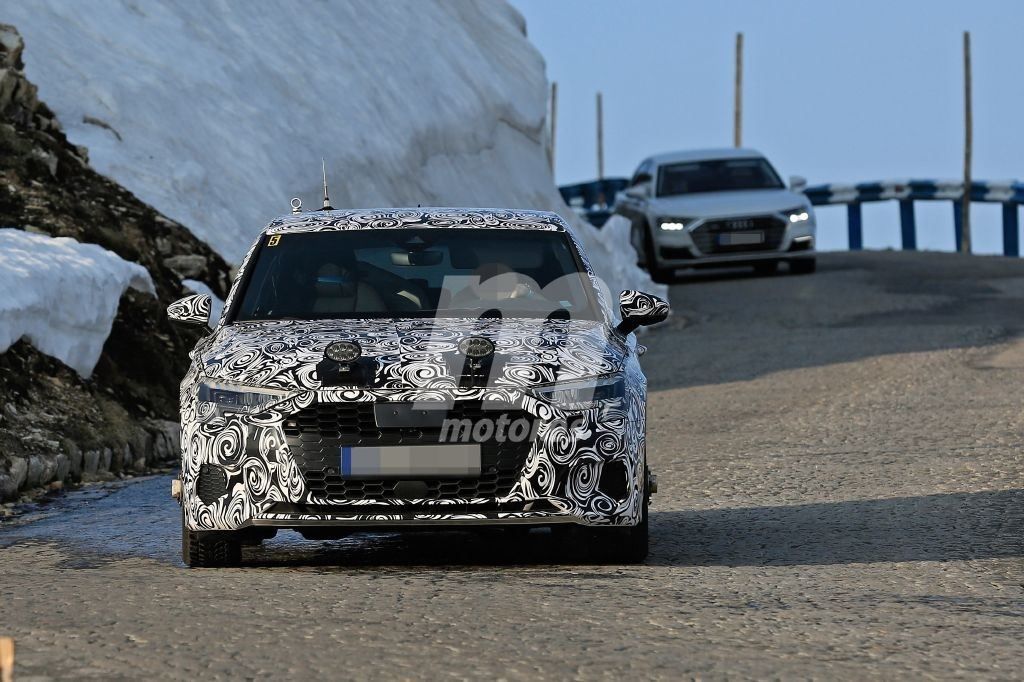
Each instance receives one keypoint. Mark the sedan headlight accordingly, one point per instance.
(230, 397)
(675, 224)
(799, 214)
(584, 395)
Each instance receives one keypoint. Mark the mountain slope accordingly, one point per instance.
(217, 116)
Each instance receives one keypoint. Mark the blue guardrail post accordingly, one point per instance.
(854, 227)
(958, 223)
(1011, 232)
(907, 225)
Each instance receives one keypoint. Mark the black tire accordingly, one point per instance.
(766, 268)
(208, 549)
(659, 275)
(625, 545)
(803, 266)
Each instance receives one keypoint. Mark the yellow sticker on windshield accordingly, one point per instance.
(274, 240)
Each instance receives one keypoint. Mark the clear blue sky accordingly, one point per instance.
(834, 91)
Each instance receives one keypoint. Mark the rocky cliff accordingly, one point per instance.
(56, 427)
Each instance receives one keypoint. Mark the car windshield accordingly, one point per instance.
(416, 272)
(721, 175)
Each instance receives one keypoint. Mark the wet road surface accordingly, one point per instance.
(841, 495)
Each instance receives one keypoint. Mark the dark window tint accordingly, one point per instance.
(716, 176)
(416, 272)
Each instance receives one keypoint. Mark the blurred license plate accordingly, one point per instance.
(406, 461)
(738, 238)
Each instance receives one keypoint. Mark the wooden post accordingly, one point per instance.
(737, 129)
(965, 221)
(6, 659)
(600, 139)
(552, 122)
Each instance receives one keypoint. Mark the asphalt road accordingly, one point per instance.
(841, 496)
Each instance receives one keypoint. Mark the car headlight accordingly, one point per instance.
(583, 395)
(799, 214)
(675, 224)
(229, 397)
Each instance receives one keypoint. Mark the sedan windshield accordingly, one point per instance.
(416, 272)
(721, 175)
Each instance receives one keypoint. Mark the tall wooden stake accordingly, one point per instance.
(737, 132)
(6, 659)
(600, 139)
(965, 244)
(553, 123)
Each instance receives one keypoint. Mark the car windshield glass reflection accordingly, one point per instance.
(716, 176)
(416, 273)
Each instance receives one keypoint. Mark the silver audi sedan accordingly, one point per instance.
(717, 207)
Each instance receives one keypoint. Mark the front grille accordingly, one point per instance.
(676, 253)
(706, 236)
(316, 434)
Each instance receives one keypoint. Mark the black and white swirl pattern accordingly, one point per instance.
(194, 309)
(414, 360)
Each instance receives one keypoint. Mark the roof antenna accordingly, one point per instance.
(327, 200)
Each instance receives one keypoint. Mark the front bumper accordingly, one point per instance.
(694, 247)
(262, 480)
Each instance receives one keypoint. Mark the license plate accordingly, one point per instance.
(739, 238)
(411, 461)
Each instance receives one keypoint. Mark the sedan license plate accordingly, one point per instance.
(740, 238)
(411, 461)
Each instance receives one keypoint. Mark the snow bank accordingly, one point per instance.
(62, 295)
(217, 116)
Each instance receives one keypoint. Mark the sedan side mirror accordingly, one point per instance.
(193, 310)
(639, 310)
(797, 183)
(641, 191)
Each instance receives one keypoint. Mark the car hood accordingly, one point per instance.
(723, 204)
(411, 353)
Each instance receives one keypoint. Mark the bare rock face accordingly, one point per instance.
(54, 426)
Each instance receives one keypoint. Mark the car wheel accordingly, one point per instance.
(624, 545)
(803, 266)
(766, 268)
(205, 549)
(659, 275)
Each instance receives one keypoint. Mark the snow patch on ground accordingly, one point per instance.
(62, 295)
(218, 115)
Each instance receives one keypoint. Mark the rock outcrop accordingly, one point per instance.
(56, 427)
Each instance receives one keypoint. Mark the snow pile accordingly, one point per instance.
(217, 116)
(62, 295)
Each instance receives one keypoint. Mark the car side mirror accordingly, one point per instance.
(639, 310)
(192, 311)
(639, 191)
(797, 183)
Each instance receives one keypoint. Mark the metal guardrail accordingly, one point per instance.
(595, 202)
(1009, 193)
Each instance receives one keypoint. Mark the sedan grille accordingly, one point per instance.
(316, 434)
(709, 236)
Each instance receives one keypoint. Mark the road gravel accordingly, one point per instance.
(841, 495)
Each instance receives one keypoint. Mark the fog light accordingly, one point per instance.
(212, 483)
(614, 480)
